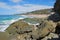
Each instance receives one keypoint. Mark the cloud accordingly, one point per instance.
(4, 5)
(15, 1)
(23, 8)
(29, 7)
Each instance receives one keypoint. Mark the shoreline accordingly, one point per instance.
(38, 16)
(4, 27)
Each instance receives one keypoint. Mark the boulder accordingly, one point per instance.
(45, 28)
(19, 27)
(51, 36)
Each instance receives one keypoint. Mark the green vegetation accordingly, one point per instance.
(43, 11)
(34, 20)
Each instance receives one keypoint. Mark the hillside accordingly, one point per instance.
(43, 11)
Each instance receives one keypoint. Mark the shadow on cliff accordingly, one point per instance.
(54, 17)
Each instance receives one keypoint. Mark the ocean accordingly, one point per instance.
(6, 20)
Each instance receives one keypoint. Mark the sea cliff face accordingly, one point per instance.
(56, 16)
(57, 6)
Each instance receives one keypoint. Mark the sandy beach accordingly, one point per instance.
(38, 16)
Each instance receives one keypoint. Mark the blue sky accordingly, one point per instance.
(8, 7)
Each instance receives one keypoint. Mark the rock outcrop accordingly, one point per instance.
(56, 16)
(24, 31)
(57, 7)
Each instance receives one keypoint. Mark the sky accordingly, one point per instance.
(9, 7)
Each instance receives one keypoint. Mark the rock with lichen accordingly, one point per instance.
(51, 36)
(46, 28)
(43, 29)
(19, 27)
(29, 32)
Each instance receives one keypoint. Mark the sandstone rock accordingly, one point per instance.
(23, 37)
(45, 38)
(27, 32)
(51, 36)
(19, 27)
(47, 27)
(35, 34)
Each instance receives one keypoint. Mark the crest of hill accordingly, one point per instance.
(42, 11)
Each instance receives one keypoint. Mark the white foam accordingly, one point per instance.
(3, 28)
(7, 23)
(16, 20)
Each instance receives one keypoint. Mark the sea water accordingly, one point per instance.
(6, 20)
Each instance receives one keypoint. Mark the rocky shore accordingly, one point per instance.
(28, 29)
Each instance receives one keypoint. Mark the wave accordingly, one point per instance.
(3, 28)
(5, 24)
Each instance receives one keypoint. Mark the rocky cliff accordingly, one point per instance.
(57, 6)
(56, 16)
